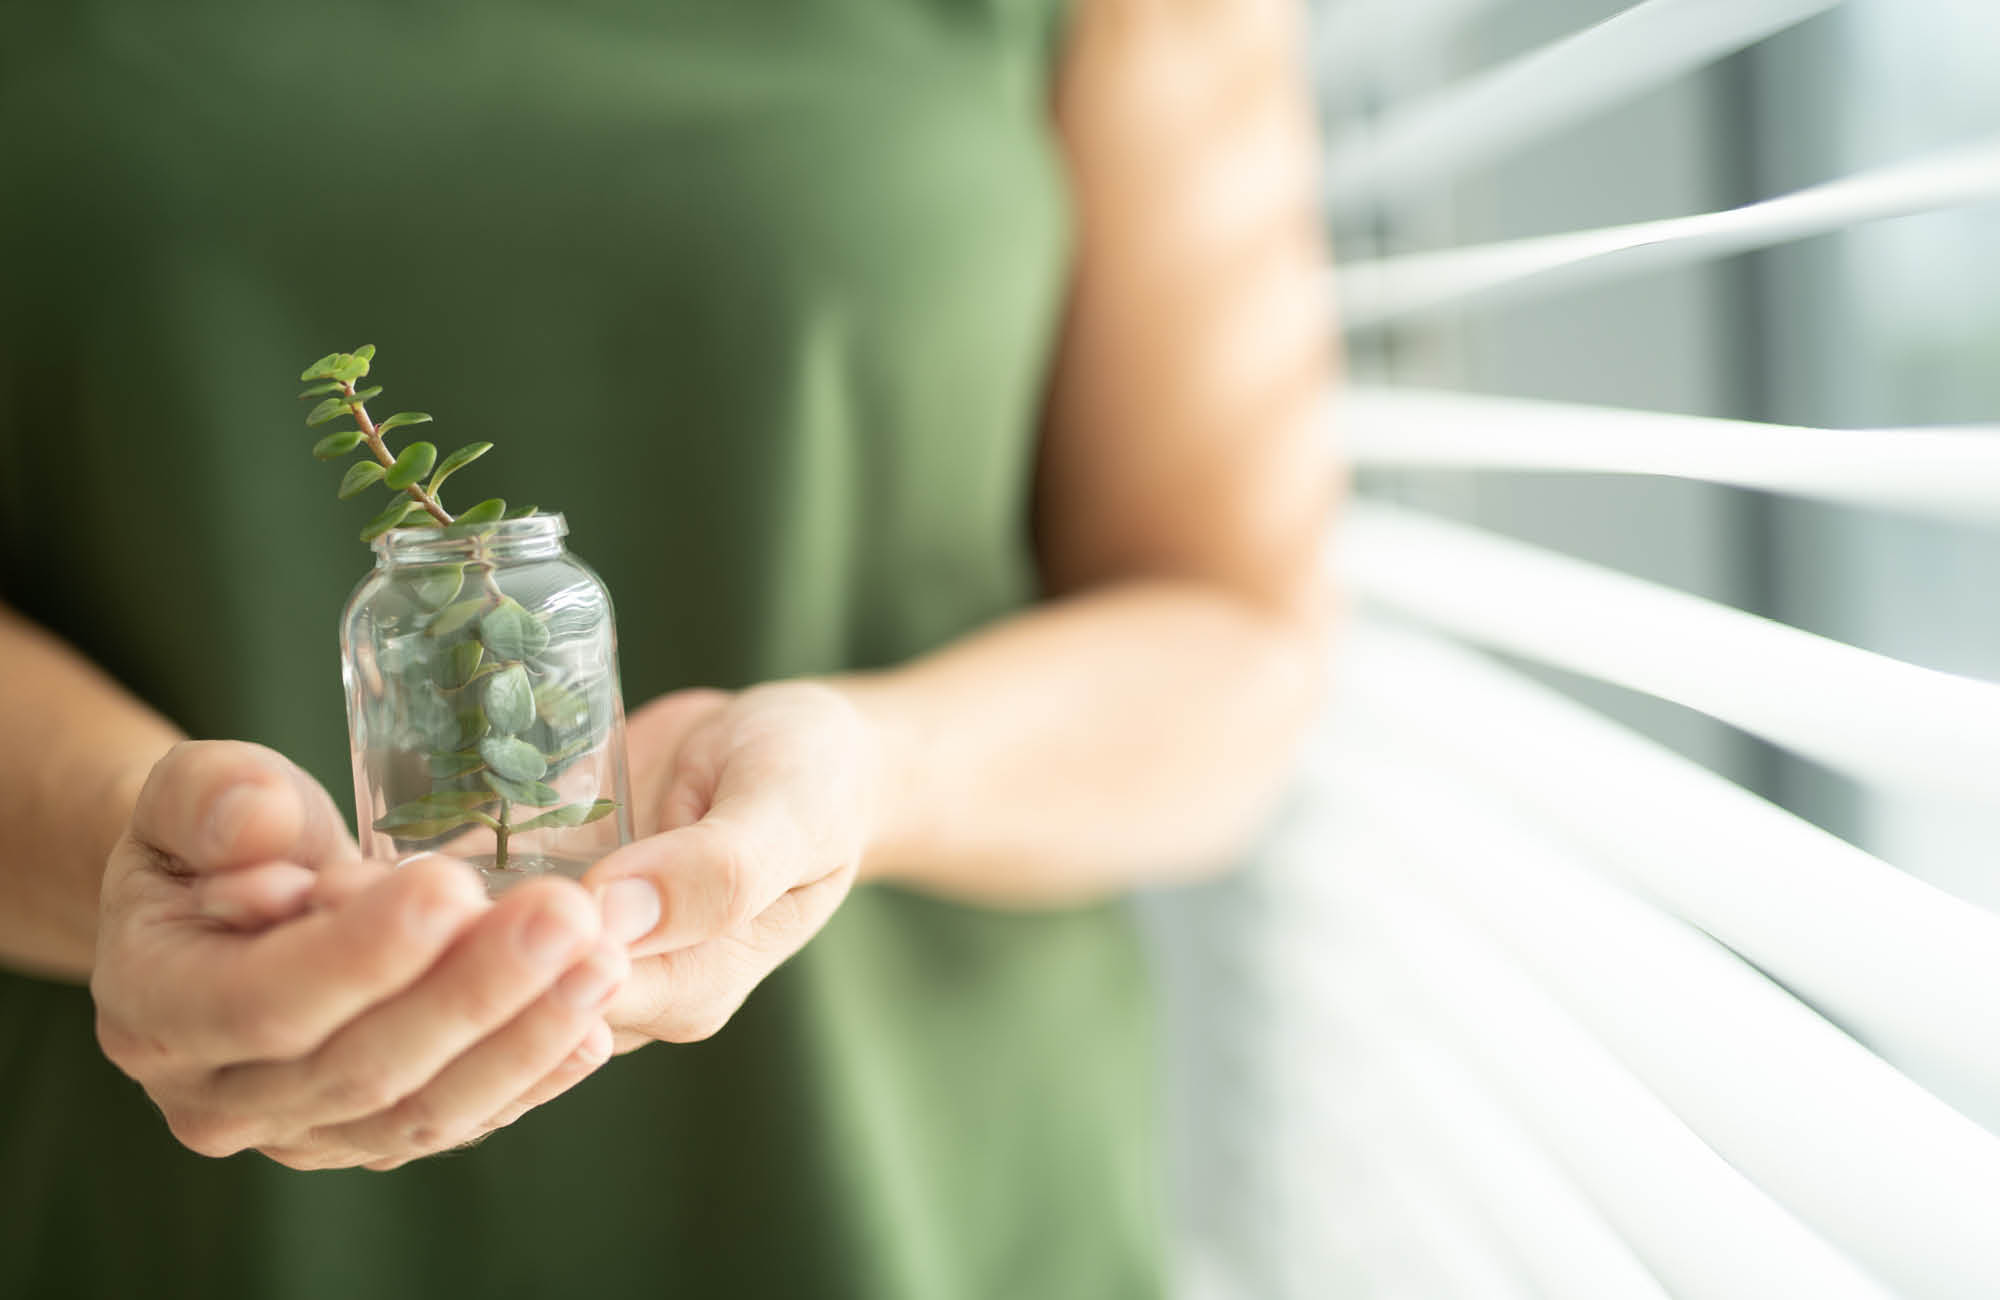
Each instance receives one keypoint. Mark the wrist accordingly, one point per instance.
(891, 748)
(48, 921)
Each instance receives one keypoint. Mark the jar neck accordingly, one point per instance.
(538, 537)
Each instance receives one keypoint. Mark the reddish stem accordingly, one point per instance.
(381, 450)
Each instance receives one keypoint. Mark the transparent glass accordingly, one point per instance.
(483, 709)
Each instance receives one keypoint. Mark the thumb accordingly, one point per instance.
(215, 805)
(708, 878)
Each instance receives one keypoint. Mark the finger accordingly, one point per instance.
(346, 878)
(713, 877)
(460, 1101)
(503, 963)
(212, 997)
(691, 885)
(689, 995)
(580, 1064)
(593, 1051)
(308, 1157)
(211, 805)
(251, 898)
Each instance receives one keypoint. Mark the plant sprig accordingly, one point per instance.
(332, 379)
(485, 648)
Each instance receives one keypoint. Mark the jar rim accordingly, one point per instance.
(420, 545)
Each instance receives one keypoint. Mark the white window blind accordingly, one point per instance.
(1524, 1003)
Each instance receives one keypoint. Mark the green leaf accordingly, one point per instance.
(453, 617)
(405, 815)
(456, 800)
(432, 828)
(532, 793)
(366, 352)
(332, 408)
(446, 767)
(365, 394)
(559, 706)
(321, 390)
(323, 368)
(401, 418)
(457, 461)
(573, 814)
(512, 633)
(506, 631)
(471, 727)
(485, 512)
(440, 583)
(560, 760)
(350, 367)
(427, 829)
(571, 750)
(360, 476)
(514, 759)
(522, 512)
(420, 519)
(510, 701)
(465, 657)
(413, 464)
(441, 804)
(337, 444)
(388, 519)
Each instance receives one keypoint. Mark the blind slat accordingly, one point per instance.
(1494, 112)
(1952, 472)
(1699, 1224)
(1876, 1165)
(1403, 1093)
(1860, 712)
(1905, 966)
(1357, 40)
(1419, 1225)
(1373, 293)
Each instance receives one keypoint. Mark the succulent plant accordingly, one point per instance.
(511, 725)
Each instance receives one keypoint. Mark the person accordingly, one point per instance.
(935, 385)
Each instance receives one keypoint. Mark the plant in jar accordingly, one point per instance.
(479, 656)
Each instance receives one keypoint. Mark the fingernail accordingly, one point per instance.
(585, 986)
(631, 909)
(546, 936)
(226, 818)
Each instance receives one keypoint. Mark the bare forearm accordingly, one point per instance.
(74, 751)
(1129, 734)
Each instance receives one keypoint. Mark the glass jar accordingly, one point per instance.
(483, 709)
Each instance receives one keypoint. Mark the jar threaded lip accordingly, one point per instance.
(503, 539)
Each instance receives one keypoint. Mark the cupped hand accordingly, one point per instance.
(272, 991)
(760, 806)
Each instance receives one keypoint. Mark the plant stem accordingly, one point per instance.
(484, 563)
(381, 450)
(500, 838)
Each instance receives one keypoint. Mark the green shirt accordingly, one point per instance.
(762, 295)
